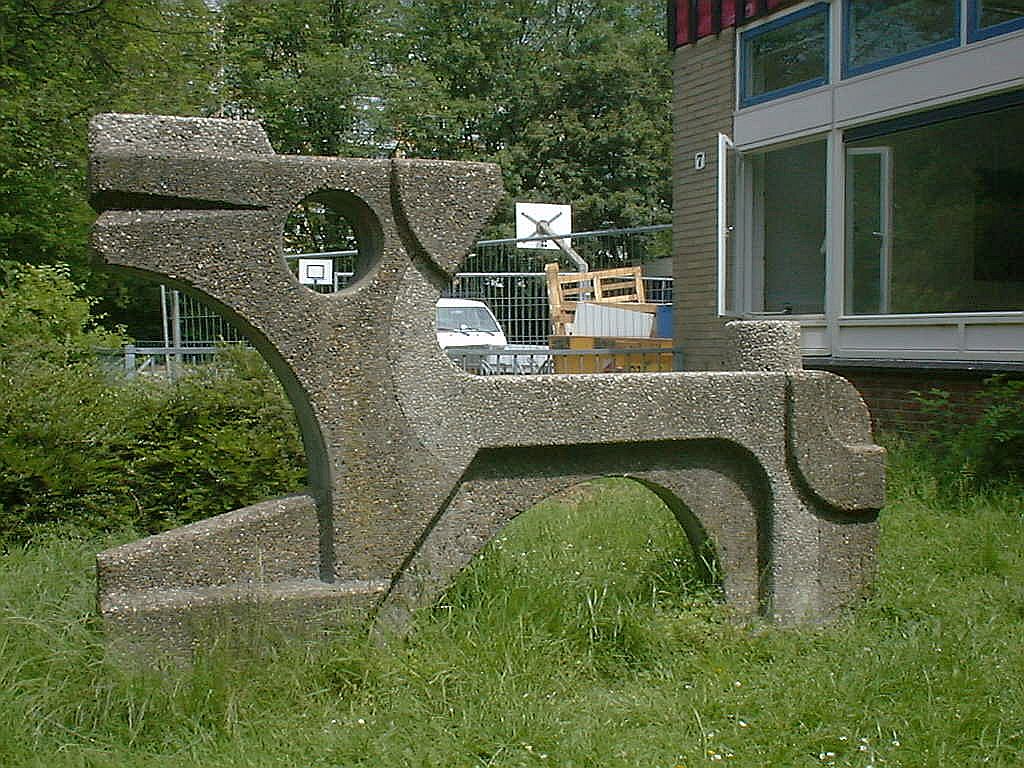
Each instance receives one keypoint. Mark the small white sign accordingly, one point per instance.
(536, 219)
(316, 271)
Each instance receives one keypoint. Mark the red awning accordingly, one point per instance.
(690, 20)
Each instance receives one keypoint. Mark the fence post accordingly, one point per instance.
(129, 359)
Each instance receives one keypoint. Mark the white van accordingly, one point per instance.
(470, 335)
(467, 323)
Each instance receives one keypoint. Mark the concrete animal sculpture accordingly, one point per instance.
(415, 465)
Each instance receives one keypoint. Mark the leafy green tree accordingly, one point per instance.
(309, 70)
(61, 61)
(571, 98)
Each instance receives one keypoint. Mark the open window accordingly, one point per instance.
(729, 267)
(772, 229)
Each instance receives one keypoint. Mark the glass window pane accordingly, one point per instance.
(881, 31)
(955, 235)
(792, 187)
(787, 55)
(869, 237)
(992, 12)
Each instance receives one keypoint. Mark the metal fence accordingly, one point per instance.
(519, 300)
(600, 248)
(503, 274)
(525, 360)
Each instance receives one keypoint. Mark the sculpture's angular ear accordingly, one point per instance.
(442, 206)
(162, 134)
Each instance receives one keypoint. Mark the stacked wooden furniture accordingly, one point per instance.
(622, 287)
(619, 288)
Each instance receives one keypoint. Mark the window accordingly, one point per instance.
(878, 33)
(789, 191)
(994, 17)
(868, 229)
(785, 56)
(776, 263)
(884, 212)
(466, 319)
(935, 212)
(790, 53)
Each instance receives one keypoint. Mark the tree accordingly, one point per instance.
(570, 97)
(60, 63)
(307, 69)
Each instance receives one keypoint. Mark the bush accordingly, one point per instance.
(992, 448)
(81, 448)
(59, 412)
(215, 440)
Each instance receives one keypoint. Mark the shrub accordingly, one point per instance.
(991, 449)
(60, 414)
(84, 449)
(219, 438)
(994, 445)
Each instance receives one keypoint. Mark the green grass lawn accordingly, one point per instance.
(580, 639)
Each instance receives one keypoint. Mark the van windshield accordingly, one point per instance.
(465, 319)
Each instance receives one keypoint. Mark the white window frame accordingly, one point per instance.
(725, 145)
(885, 217)
(975, 69)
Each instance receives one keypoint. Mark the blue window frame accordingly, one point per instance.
(988, 19)
(785, 56)
(880, 33)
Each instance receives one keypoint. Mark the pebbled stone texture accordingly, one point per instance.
(416, 465)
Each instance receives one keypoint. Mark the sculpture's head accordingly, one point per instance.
(434, 209)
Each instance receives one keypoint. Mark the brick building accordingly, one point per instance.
(857, 166)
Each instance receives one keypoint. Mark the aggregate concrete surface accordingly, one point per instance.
(414, 464)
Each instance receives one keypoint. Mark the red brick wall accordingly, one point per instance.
(889, 395)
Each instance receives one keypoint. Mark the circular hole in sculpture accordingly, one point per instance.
(329, 241)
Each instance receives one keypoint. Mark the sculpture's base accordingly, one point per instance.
(180, 621)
